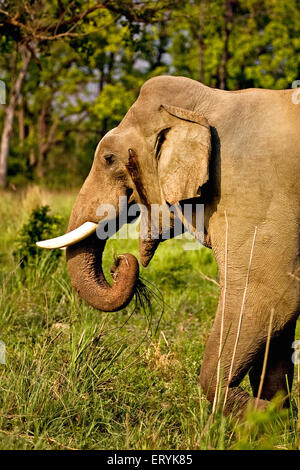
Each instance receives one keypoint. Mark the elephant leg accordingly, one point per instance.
(255, 281)
(279, 370)
(221, 375)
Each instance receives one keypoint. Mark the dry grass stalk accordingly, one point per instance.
(298, 369)
(263, 372)
(33, 197)
(294, 275)
(30, 438)
(222, 318)
(240, 318)
(207, 278)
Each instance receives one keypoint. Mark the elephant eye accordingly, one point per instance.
(109, 158)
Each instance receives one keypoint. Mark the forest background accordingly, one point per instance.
(72, 69)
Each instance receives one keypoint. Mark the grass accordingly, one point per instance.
(76, 378)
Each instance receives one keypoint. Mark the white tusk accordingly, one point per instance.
(80, 233)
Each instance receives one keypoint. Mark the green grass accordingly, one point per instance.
(77, 378)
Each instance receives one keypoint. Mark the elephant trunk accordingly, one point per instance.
(84, 261)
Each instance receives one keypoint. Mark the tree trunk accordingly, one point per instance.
(20, 114)
(161, 47)
(9, 117)
(228, 24)
(201, 41)
(46, 138)
(41, 138)
(84, 260)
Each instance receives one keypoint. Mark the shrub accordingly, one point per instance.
(41, 225)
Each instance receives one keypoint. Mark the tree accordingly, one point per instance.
(26, 25)
(34, 27)
(72, 69)
(26, 55)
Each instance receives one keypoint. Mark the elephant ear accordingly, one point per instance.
(183, 153)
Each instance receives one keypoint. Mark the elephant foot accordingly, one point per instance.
(239, 403)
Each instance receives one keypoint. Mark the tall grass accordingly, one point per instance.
(76, 378)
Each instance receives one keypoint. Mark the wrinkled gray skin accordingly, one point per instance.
(240, 152)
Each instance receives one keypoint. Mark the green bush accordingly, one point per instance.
(41, 225)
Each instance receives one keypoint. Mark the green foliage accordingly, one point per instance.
(41, 225)
(110, 107)
(262, 49)
(260, 429)
(80, 86)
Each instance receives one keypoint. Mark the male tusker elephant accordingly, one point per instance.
(238, 153)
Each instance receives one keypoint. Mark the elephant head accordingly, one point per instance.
(157, 156)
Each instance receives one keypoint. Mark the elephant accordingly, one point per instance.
(238, 153)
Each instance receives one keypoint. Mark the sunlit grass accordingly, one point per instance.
(81, 379)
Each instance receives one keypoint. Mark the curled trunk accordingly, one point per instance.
(85, 268)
